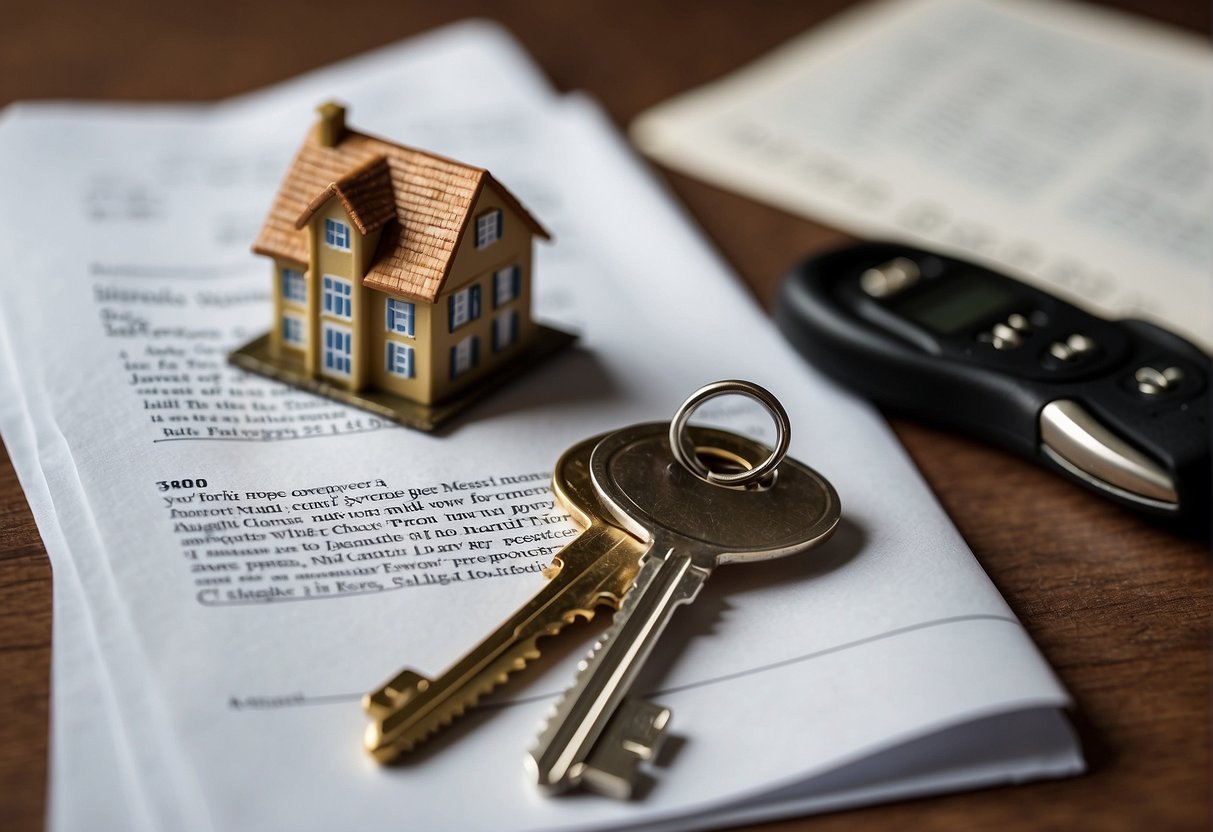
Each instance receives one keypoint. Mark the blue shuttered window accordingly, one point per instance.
(400, 316)
(507, 284)
(488, 228)
(294, 288)
(292, 331)
(465, 355)
(400, 359)
(463, 306)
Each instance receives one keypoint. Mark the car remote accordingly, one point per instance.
(1120, 406)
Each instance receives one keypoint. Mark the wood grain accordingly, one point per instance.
(1119, 607)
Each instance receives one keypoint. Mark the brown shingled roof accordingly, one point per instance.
(366, 193)
(379, 181)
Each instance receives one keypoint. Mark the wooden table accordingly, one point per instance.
(1120, 608)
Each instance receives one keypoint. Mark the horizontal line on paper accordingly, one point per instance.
(271, 438)
(839, 648)
(715, 680)
(269, 703)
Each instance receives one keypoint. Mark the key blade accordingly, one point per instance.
(577, 721)
(599, 566)
(634, 734)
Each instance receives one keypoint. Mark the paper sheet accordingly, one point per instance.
(236, 702)
(1066, 144)
(92, 783)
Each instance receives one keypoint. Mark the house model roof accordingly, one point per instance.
(423, 203)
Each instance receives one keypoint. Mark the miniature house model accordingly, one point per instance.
(401, 280)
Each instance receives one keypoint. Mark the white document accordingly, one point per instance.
(1066, 144)
(243, 561)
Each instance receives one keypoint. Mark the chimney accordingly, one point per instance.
(331, 127)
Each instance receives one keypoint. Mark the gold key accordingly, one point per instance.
(593, 570)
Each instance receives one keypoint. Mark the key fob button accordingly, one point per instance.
(1005, 338)
(1154, 382)
(1019, 323)
(889, 279)
(1073, 349)
(1081, 344)
(1061, 351)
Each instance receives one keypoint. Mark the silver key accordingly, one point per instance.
(596, 736)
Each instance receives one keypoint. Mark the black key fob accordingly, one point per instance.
(1119, 406)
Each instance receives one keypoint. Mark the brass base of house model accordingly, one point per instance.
(256, 357)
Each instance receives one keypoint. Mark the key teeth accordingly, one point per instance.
(413, 736)
(390, 751)
(379, 705)
(393, 695)
(551, 721)
(408, 740)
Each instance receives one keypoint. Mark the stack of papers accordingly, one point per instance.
(208, 663)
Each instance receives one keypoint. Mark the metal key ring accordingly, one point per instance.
(684, 449)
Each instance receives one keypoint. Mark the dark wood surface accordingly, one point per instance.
(1120, 608)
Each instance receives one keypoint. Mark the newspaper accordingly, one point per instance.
(1066, 144)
